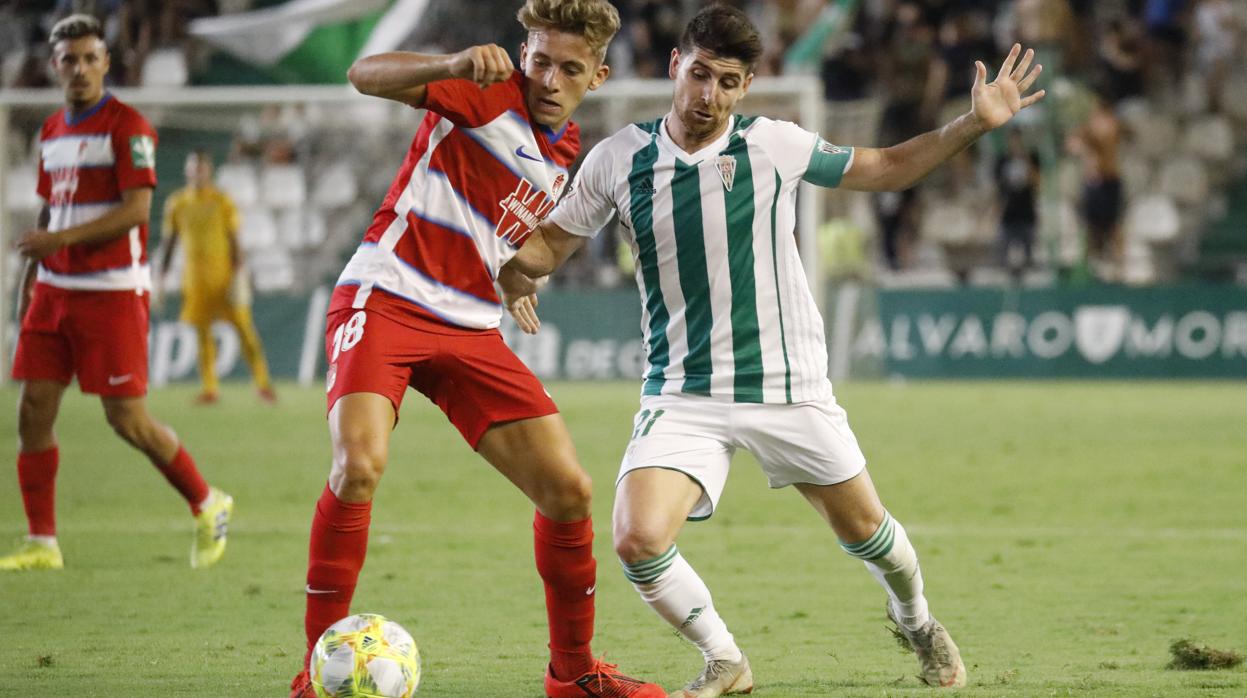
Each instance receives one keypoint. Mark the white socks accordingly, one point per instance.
(890, 557)
(672, 588)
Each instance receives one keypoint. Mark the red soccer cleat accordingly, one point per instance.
(267, 395)
(301, 686)
(601, 681)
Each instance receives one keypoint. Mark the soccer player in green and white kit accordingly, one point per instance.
(736, 356)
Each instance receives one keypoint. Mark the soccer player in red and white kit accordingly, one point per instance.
(84, 296)
(417, 306)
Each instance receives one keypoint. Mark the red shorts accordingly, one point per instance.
(470, 374)
(98, 336)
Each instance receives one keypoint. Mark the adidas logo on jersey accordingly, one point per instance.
(645, 186)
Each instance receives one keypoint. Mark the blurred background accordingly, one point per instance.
(1102, 233)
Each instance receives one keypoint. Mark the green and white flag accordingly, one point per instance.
(312, 41)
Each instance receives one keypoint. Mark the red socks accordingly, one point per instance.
(36, 475)
(185, 478)
(335, 556)
(565, 562)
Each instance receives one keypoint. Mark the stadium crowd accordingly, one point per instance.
(1090, 186)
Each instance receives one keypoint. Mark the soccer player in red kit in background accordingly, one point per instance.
(417, 305)
(84, 296)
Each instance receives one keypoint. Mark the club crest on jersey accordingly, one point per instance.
(522, 210)
(727, 170)
(557, 186)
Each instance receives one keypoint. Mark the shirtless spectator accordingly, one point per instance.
(1096, 142)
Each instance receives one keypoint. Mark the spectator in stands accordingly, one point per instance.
(1017, 176)
(1096, 142)
(1165, 21)
(1217, 32)
(1121, 59)
(214, 283)
(908, 48)
(653, 27)
(897, 212)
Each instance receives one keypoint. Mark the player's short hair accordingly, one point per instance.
(724, 31)
(76, 27)
(596, 20)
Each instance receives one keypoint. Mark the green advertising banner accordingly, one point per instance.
(1110, 332)
(1091, 332)
(585, 334)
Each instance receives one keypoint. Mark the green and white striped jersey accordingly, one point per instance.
(726, 309)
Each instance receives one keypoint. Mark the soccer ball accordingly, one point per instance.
(365, 656)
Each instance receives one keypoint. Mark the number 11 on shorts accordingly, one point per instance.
(643, 426)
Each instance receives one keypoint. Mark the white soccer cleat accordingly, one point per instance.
(938, 656)
(720, 678)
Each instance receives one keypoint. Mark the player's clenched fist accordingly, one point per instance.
(483, 65)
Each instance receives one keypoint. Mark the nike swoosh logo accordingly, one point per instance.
(520, 152)
(589, 591)
(118, 380)
(310, 590)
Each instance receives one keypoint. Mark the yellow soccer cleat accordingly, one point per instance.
(34, 555)
(211, 527)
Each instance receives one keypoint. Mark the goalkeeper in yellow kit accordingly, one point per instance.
(214, 285)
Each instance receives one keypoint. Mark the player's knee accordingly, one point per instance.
(635, 542)
(128, 425)
(570, 498)
(362, 464)
(34, 419)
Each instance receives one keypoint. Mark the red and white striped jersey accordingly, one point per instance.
(478, 177)
(85, 163)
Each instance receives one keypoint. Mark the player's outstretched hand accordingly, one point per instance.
(997, 101)
(483, 65)
(37, 244)
(524, 311)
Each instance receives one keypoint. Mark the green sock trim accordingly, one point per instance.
(877, 545)
(646, 571)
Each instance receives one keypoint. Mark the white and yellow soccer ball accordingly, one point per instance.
(365, 656)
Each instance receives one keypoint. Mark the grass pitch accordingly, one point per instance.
(1069, 533)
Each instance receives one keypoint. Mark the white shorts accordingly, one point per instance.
(806, 442)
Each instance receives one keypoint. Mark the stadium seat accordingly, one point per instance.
(20, 194)
(165, 67)
(1156, 134)
(1152, 218)
(1210, 137)
(240, 181)
(335, 187)
(282, 186)
(259, 230)
(315, 229)
(1136, 172)
(272, 269)
(290, 228)
(1185, 179)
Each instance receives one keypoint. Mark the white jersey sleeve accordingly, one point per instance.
(802, 154)
(588, 205)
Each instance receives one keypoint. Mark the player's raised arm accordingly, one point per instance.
(402, 76)
(134, 209)
(993, 105)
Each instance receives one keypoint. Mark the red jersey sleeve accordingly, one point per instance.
(134, 147)
(466, 104)
(44, 185)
